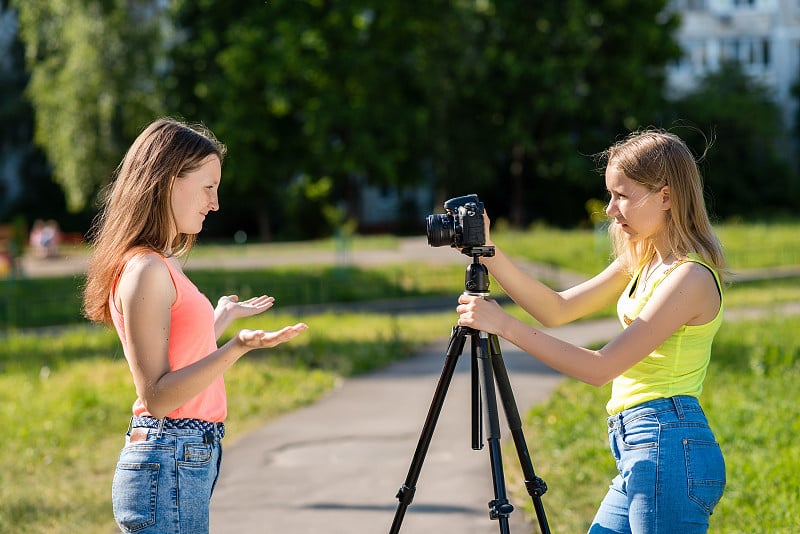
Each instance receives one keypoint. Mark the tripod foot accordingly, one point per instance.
(500, 508)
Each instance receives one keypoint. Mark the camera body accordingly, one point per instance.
(461, 226)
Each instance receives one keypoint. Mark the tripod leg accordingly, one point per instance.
(536, 486)
(407, 490)
(500, 508)
(477, 407)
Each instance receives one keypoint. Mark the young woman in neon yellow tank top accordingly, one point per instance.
(665, 279)
(165, 186)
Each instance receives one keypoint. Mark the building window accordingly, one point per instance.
(695, 5)
(729, 50)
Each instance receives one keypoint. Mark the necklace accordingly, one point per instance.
(646, 279)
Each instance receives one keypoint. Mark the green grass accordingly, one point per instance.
(65, 400)
(65, 394)
(749, 246)
(746, 246)
(45, 302)
(37, 302)
(751, 402)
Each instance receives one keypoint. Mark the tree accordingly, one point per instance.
(563, 79)
(304, 91)
(92, 65)
(26, 189)
(747, 172)
(15, 114)
(316, 98)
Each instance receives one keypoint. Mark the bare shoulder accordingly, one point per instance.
(144, 264)
(695, 285)
(146, 271)
(694, 275)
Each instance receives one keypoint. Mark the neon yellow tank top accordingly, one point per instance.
(678, 366)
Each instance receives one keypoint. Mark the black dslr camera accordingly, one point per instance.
(461, 226)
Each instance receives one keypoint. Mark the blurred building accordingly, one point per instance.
(762, 35)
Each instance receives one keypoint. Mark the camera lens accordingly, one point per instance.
(440, 230)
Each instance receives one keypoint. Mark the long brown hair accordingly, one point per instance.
(655, 158)
(136, 211)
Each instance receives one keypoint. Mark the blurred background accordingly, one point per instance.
(357, 119)
(365, 115)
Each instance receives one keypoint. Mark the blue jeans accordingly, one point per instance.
(164, 481)
(671, 470)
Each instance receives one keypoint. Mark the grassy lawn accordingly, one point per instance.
(751, 402)
(747, 246)
(65, 405)
(64, 392)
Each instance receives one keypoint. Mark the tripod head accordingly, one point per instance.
(476, 280)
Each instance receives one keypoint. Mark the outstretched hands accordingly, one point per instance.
(230, 308)
(261, 339)
(230, 305)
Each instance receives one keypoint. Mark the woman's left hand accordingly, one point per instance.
(231, 307)
(481, 314)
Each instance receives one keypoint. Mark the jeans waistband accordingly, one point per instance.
(184, 424)
(679, 404)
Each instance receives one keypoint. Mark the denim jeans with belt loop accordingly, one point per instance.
(164, 480)
(671, 472)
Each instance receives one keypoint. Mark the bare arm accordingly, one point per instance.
(554, 308)
(549, 307)
(688, 296)
(144, 295)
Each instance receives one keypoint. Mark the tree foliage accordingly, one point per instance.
(747, 169)
(494, 97)
(316, 90)
(27, 191)
(92, 65)
(566, 78)
(317, 99)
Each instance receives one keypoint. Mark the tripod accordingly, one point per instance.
(487, 366)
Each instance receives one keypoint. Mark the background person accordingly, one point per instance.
(45, 239)
(665, 279)
(165, 186)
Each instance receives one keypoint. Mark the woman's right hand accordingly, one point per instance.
(262, 339)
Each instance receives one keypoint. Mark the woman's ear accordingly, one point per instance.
(666, 202)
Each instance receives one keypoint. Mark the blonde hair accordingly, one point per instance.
(656, 158)
(136, 211)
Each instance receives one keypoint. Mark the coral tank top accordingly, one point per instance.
(191, 338)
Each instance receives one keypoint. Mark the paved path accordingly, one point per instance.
(335, 466)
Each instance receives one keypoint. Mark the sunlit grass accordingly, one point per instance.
(746, 246)
(65, 401)
(205, 249)
(751, 402)
(65, 395)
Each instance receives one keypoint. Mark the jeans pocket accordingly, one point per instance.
(705, 471)
(133, 495)
(641, 433)
(196, 454)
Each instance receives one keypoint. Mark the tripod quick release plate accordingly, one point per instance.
(487, 251)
